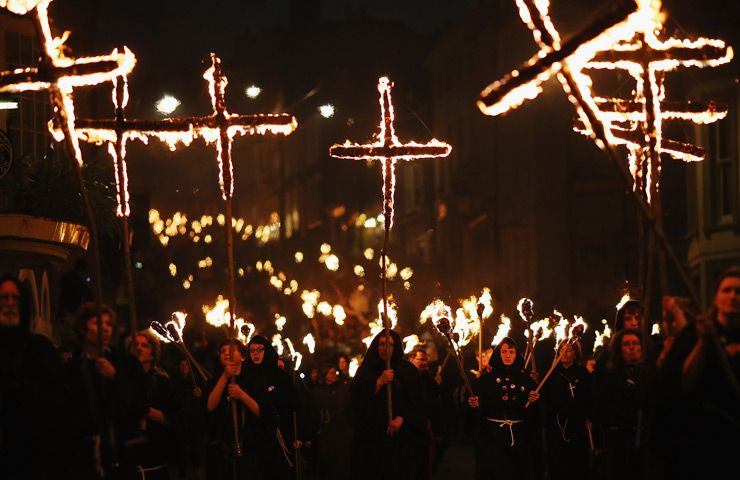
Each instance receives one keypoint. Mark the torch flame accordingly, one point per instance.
(525, 309)
(309, 341)
(577, 329)
(172, 330)
(502, 331)
(218, 316)
(625, 298)
(601, 338)
(409, 343)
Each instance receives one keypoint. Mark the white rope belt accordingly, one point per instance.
(508, 423)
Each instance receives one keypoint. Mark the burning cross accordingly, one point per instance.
(219, 128)
(623, 37)
(647, 59)
(60, 74)
(389, 149)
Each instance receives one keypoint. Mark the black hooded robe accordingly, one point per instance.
(505, 428)
(567, 399)
(375, 454)
(278, 400)
(32, 397)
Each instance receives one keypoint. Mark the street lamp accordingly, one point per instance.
(253, 91)
(327, 110)
(167, 104)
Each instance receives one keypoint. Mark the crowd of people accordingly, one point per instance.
(647, 406)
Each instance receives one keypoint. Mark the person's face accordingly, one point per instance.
(144, 350)
(631, 348)
(225, 352)
(91, 332)
(567, 355)
(727, 299)
(331, 376)
(10, 299)
(314, 375)
(421, 361)
(631, 319)
(343, 364)
(382, 350)
(508, 354)
(257, 353)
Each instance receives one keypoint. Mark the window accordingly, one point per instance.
(722, 158)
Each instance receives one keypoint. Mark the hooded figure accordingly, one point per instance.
(220, 393)
(382, 450)
(632, 313)
(504, 423)
(567, 400)
(31, 391)
(631, 316)
(278, 399)
(623, 401)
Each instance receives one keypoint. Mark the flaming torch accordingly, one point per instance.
(527, 313)
(540, 330)
(171, 332)
(484, 309)
(577, 329)
(441, 318)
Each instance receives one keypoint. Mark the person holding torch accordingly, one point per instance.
(382, 449)
(505, 431)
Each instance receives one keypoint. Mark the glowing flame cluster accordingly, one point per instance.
(330, 260)
(525, 309)
(311, 299)
(280, 322)
(354, 364)
(625, 38)
(295, 356)
(197, 228)
(623, 301)
(170, 332)
(466, 322)
(601, 339)
(369, 222)
(310, 342)
(540, 330)
(409, 343)
(388, 149)
(376, 326)
(561, 328)
(502, 331)
(577, 329)
(218, 316)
